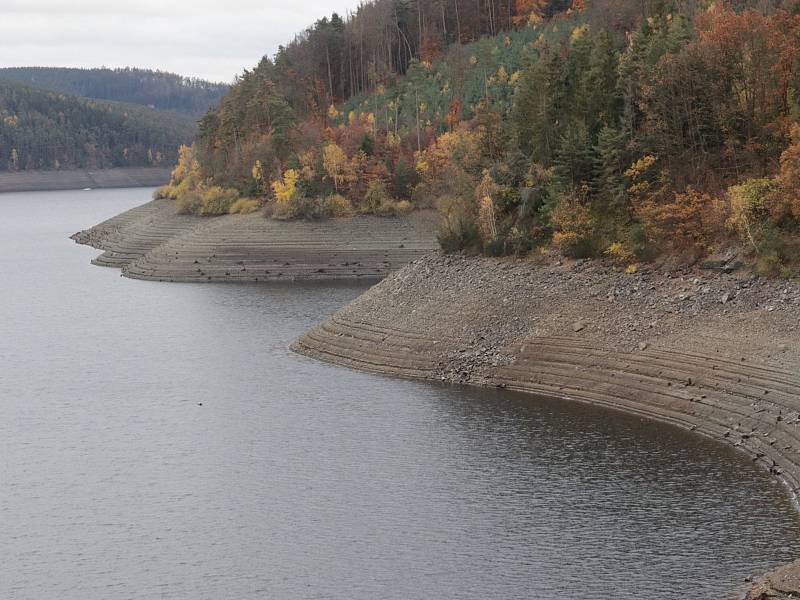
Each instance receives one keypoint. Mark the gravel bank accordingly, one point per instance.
(710, 352)
(152, 242)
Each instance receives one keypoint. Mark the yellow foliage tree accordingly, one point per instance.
(307, 161)
(461, 147)
(337, 165)
(502, 74)
(487, 220)
(187, 165)
(530, 12)
(286, 190)
(258, 174)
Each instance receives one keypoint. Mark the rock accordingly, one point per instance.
(643, 346)
(732, 266)
(578, 326)
(726, 297)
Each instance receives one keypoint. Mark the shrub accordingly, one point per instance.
(168, 191)
(299, 207)
(217, 200)
(188, 201)
(573, 245)
(338, 206)
(394, 208)
(688, 220)
(375, 197)
(620, 253)
(575, 226)
(203, 201)
(244, 206)
(749, 204)
(458, 229)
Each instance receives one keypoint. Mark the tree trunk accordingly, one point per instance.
(458, 24)
(419, 137)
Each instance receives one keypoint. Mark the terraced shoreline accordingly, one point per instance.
(78, 179)
(152, 242)
(713, 353)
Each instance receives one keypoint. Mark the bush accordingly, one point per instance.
(458, 229)
(620, 254)
(168, 191)
(575, 228)
(690, 220)
(338, 206)
(573, 245)
(375, 197)
(299, 207)
(393, 208)
(779, 254)
(244, 206)
(749, 205)
(205, 202)
(217, 200)
(188, 201)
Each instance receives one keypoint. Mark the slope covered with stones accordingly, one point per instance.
(717, 354)
(153, 242)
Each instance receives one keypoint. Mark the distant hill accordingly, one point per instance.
(155, 89)
(42, 129)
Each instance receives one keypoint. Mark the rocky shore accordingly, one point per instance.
(713, 352)
(152, 242)
(38, 181)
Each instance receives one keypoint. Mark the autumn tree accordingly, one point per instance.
(337, 165)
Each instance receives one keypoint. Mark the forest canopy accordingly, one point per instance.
(616, 129)
(41, 129)
(155, 89)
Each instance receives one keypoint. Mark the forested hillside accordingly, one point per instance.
(621, 129)
(41, 129)
(164, 91)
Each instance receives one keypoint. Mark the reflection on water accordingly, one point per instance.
(160, 441)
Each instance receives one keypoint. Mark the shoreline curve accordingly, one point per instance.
(714, 354)
(152, 242)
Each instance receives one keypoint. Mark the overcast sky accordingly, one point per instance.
(213, 39)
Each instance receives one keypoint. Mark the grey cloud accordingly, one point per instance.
(205, 38)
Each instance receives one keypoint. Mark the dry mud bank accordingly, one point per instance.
(713, 353)
(153, 242)
(38, 181)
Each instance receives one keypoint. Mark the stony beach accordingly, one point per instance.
(152, 242)
(712, 352)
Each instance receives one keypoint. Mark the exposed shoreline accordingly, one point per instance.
(78, 179)
(712, 353)
(154, 243)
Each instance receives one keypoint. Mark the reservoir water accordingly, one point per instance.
(161, 441)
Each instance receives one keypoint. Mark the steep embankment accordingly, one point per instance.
(153, 242)
(714, 353)
(38, 181)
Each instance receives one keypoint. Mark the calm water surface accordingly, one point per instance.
(299, 480)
